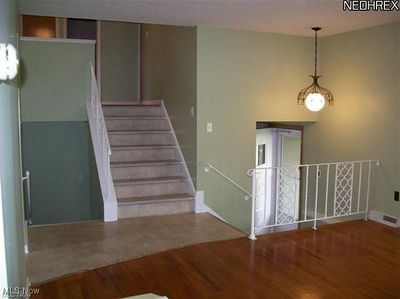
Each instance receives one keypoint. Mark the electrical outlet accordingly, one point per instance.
(396, 195)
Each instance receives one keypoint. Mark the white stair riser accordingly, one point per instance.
(141, 139)
(135, 155)
(137, 124)
(142, 172)
(132, 111)
(151, 189)
(149, 209)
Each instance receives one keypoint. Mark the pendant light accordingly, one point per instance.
(315, 96)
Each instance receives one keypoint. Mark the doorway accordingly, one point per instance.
(278, 152)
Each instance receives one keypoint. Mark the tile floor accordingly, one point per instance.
(57, 250)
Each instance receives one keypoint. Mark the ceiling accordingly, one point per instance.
(279, 16)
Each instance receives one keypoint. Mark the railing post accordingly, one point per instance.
(359, 187)
(327, 190)
(316, 198)
(253, 206)
(369, 181)
(306, 196)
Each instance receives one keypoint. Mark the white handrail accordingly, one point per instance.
(209, 167)
(102, 149)
(282, 193)
(315, 164)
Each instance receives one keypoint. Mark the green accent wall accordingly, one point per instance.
(169, 73)
(243, 77)
(55, 80)
(57, 156)
(13, 273)
(119, 61)
(362, 69)
(56, 143)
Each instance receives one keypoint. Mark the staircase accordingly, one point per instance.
(149, 174)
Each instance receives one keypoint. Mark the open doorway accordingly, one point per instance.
(278, 152)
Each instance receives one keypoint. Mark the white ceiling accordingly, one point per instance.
(279, 16)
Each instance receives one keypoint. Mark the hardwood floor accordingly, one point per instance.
(348, 260)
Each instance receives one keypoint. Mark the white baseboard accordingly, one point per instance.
(379, 217)
(202, 207)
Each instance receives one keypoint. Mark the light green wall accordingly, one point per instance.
(11, 201)
(57, 155)
(55, 90)
(119, 61)
(362, 69)
(55, 80)
(169, 73)
(243, 77)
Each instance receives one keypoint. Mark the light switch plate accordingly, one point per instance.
(209, 127)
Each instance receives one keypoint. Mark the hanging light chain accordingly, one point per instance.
(316, 52)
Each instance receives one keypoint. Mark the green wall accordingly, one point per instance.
(11, 202)
(57, 156)
(362, 69)
(54, 92)
(169, 73)
(119, 61)
(55, 80)
(243, 77)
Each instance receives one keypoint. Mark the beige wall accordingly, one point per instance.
(243, 77)
(119, 61)
(362, 70)
(169, 73)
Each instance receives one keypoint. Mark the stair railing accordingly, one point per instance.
(209, 167)
(312, 193)
(102, 149)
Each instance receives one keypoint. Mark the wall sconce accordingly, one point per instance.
(8, 62)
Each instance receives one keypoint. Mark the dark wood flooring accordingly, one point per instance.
(348, 260)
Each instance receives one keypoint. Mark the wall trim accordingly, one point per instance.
(3, 263)
(202, 207)
(58, 40)
(378, 217)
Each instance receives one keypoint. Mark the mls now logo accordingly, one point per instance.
(374, 5)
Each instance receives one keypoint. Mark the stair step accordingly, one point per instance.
(152, 188)
(144, 163)
(144, 154)
(142, 147)
(148, 123)
(144, 137)
(148, 171)
(155, 180)
(155, 199)
(155, 205)
(133, 132)
(132, 110)
(105, 103)
(133, 117)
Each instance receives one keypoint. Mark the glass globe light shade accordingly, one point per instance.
(315, 102)
(8, 62)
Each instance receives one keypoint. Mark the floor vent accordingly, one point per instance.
(389, 219)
